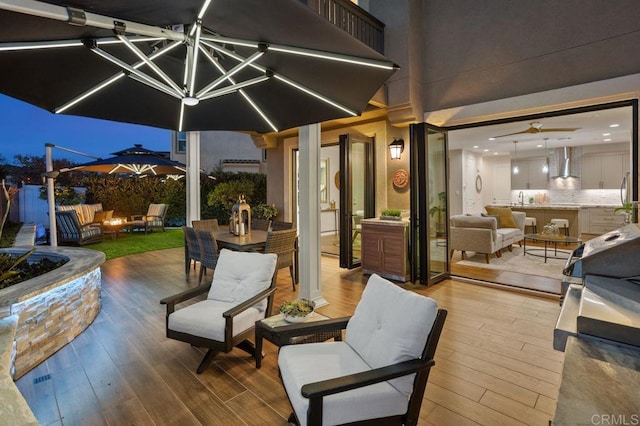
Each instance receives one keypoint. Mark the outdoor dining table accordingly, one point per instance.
(252, 241)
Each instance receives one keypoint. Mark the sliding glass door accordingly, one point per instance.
(428, 243)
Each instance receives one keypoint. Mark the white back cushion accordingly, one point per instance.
(238, 276)
(391, 325)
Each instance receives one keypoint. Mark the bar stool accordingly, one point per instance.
(562, 223)
(531, 222)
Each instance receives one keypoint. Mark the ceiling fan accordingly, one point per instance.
(536, 127)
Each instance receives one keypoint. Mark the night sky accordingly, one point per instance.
(24, 129)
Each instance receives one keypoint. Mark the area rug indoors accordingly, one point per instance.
(515, 262)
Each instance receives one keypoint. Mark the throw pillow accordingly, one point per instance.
(101, 216)
(483, 214)
(505, 216)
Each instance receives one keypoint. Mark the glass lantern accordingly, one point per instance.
(240, 223)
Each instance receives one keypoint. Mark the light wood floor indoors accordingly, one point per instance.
(494, 366)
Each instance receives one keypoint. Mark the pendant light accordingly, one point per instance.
(545, 166)
(516, 169)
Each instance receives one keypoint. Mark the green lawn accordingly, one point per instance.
(138, 242)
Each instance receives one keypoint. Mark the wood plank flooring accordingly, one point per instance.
(494, 366)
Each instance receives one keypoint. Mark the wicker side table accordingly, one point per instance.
(280, 332)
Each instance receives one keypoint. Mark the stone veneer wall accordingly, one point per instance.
(54, 318)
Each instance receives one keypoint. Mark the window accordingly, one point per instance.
(181, 142)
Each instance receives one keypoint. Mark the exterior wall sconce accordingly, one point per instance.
(395, 148)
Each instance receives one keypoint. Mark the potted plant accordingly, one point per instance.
(297, 310)
(265, 211)
(438, 211)
(627, 210)
(390, 214)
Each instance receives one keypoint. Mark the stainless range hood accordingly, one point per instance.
(565, 169)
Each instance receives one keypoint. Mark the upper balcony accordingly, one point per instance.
(352, 19)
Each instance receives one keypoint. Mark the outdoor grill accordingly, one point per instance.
(601, 289)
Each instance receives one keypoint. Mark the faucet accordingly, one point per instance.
(521, 198)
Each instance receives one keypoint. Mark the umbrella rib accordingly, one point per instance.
(305, 52)
(58, 44)
(234, 87)
(150, 64)
(286, 80)
(111, 80)
(194, 60)
(242, 92)
(229, 73)
(144, 78)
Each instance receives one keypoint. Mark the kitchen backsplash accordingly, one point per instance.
(565, 194)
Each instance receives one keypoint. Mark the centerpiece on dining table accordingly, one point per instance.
(240, 223)
(297, 310)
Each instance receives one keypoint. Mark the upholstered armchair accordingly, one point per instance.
(378, 375)
(240, 294)
(154, 219)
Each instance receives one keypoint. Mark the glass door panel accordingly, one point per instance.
(429, 207)
(357, 197)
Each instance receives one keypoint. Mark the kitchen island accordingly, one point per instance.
(585, 220)
(543, 213)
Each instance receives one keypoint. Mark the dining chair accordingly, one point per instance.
(278, 225)
(237, 297)
(206, 224)
(261, 224)
(378, 374)
(208, 251)
(283, 243)
(192, 249)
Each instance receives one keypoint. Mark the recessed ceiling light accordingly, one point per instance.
(614, 125)
(539, 146)
(476, 146)
(606, 134)
(492, 139)
(495, 153)
(485, 150)
(608, 140)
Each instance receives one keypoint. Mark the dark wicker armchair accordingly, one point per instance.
(384, 362)
(283, 243)
(206, 224)
(191, 249)
(208, 251)
(260, 224)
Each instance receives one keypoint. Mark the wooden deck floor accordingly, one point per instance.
(494, 366)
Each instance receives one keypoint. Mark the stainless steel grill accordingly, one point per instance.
(601, 291)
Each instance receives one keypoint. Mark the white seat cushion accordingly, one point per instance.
(238, 276)
(205, 319)
(313, 362)
(391, 325)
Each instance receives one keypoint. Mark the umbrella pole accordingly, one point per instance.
(51, 197)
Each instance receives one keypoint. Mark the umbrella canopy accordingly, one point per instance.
(244, 65)
(135, 160)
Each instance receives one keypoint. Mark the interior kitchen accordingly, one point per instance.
(574, 168)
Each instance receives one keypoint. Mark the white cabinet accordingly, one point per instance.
(603, 171)
(603, 220)
(530, 175)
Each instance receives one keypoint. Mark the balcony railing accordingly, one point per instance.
(352, 19)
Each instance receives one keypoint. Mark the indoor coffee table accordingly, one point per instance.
(550, 250)
(280, 332)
